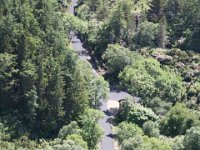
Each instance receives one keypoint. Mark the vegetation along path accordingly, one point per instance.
(108, 107)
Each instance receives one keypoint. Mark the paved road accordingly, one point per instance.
(74, 4)
(107, 141)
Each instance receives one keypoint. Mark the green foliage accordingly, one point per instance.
(99, 91)
(133, 143)
(151, 129)
(146, 35)
(127, 130)
(141, 23)
(91, 131)
(145, 78)
(7, 80)
(83, 12)
(178, 120)
(159, 107)
(191, 140)
(97, 87)
(68, 130)
(177, 143)
(68, 144)
(156, 144)
(112, 21)
(78, 140)
(194, 93)
(103, 10)
(74, 23)
(118, 57)
(177, 17)
(138, 79)
(42, 81)
(43, 84)
(144, 143)
(77, 95)
(7, 66)
(136, 113)
(25, 142)
(139, 115)
(3, 132)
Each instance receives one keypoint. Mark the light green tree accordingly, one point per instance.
(192, 139)
(117, 58)
(145, 78)
(133, 143)
(91, 131)
(68, 130)
(127, 130)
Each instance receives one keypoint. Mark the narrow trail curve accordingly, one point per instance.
(107, 142)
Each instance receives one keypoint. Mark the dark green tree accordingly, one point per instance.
(178, 120)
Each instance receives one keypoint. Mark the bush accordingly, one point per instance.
(68, 145)
(70, 129)
(78, 140)
(146, 79)
(156, 144)
(135, 113)
(159, 106)
(139, 115)
(192, 139)
(134, 143)
(127, 130)
(178, 120)
(177, 143)
(118, 57)
(139, 142)
(146, 36)
(151, 129)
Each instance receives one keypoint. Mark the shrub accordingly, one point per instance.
(151, 129)
(127, 130)
(178, 120)
(192, 139)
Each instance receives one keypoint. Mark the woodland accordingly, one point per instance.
(49, 97)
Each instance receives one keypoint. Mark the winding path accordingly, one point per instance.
(107, 142)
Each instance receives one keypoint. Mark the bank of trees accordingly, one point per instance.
(155, 23)
(140, 128)
(150, 49)
(154, 29)
(43, 84)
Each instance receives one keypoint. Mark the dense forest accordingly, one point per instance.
(49, 97)
(149, 48)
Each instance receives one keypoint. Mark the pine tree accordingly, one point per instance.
(7, 81)
(31, 107)
(76, 100)
(28, 102)
(162, 34)
(43, 12)
(55, 94)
